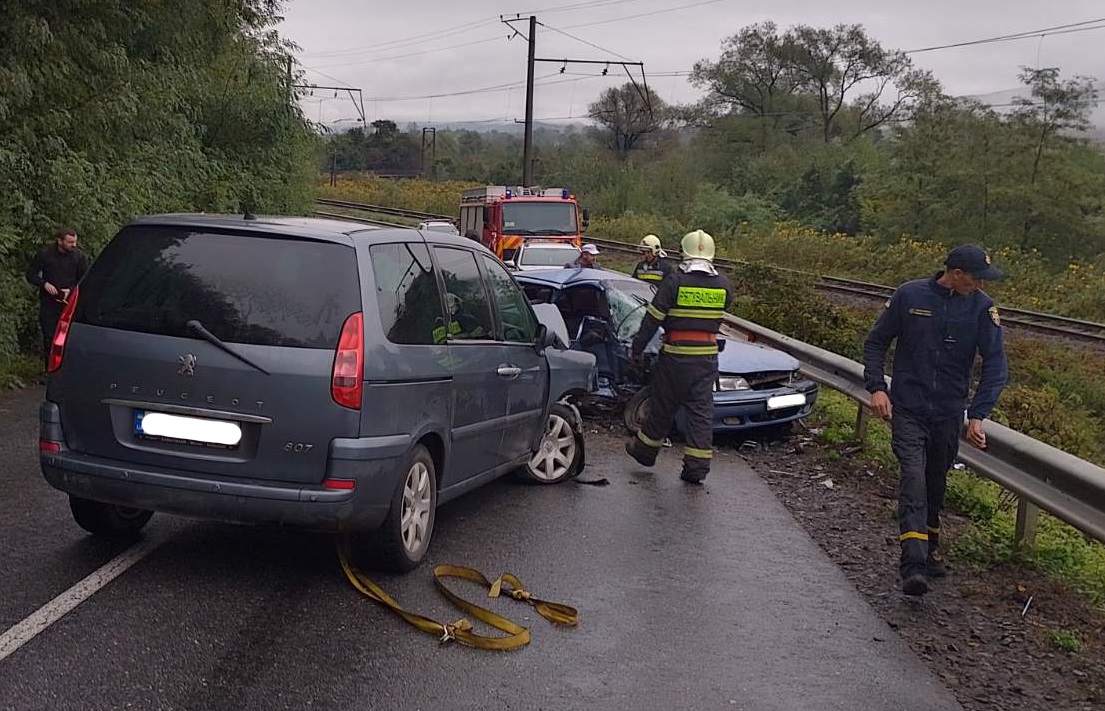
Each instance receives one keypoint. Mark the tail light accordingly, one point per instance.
(57, 347)
(346, 382)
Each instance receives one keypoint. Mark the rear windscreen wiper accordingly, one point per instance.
(215, 340)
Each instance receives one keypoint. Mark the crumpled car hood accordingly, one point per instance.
(740, 357)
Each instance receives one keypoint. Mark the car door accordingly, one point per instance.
(527, 383)
(479, 407)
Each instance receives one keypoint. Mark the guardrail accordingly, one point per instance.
(1042, 476)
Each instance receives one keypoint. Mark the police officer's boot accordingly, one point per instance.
(641, 452)
(934, 563)
(915, 585)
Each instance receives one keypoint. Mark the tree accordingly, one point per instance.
(837, 79)
(1055, 107)
(113, 109)
(628, 114)
(753, 73)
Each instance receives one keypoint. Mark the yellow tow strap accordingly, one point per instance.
(461, 630)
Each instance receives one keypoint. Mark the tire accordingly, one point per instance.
(636, 409)
(558, 457)
(108, 520)
(403, 539)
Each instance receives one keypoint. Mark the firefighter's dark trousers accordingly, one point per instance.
(686, 381)
(925, 449)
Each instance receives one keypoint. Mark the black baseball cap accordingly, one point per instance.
(972, 258)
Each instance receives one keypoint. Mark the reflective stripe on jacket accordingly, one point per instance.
(686, 303)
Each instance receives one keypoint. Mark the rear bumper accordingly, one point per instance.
(744, 410)
(374, 463)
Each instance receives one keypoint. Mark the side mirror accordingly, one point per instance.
(586, 217)
(545, 338)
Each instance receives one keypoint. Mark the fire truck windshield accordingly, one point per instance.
(539, 218)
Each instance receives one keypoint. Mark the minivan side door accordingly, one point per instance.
(475, 360)
(528, 387)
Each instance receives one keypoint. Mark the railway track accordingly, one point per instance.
(339, 216)
(1021, 318)
(382, 210)
(1050, 324)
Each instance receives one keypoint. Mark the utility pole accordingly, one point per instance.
(527, 150)
(433, 151)
(527, 146)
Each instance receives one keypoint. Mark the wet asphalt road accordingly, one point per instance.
(690, 598)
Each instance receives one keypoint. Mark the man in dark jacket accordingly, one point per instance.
(689, 304)
(55, 270)
(940, 325)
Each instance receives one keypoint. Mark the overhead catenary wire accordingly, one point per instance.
(1028, 34)
(391, 44)
(576, 6)
(374, 60)
(583, 41)
(645, 14)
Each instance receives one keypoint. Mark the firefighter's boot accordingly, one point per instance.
(642, 453)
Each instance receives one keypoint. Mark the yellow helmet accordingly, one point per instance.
(652, 244)
(698, 245)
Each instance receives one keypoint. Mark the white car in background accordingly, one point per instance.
(438, 226)
(544, 255)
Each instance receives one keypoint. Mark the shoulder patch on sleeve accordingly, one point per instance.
(994, 316)
(888, 303)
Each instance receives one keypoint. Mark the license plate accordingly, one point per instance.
(189, 430)
(783, 401)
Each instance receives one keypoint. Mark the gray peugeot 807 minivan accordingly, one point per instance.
(318, 373)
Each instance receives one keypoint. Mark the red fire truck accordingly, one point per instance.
(503, 218)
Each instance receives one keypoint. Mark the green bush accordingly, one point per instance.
(1058, 419)
(718, 212)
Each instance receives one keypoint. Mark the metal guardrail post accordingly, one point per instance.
(1028, 515)
(861, 422)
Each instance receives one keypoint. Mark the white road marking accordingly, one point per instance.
(57, 608)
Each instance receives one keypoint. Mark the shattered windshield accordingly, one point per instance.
(627, 301)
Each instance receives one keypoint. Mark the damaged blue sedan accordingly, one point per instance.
(757, 386)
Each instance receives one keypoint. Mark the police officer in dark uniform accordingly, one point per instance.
(54, 271)
(689, 305)
(940, 324)
(654, 265)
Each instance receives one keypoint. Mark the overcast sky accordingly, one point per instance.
(390, 51)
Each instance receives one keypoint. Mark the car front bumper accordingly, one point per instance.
(736, 410)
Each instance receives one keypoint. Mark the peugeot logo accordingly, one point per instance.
(187, 365)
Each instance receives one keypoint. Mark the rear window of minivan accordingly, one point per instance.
(251, 289)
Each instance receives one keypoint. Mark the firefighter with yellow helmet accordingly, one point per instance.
(689, 305)
(653, 266)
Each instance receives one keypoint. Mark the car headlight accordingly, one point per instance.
(728, 382)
